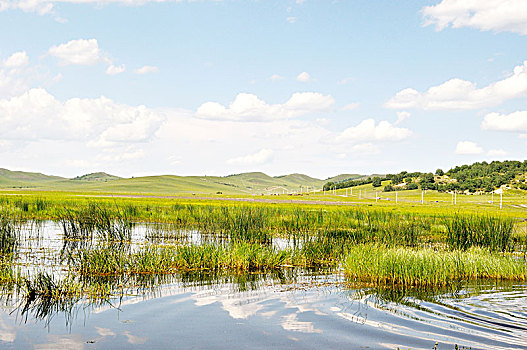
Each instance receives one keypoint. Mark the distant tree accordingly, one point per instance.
(440, 172)
(376, 182)
(412, 186)
(388, 188)
(329, 185)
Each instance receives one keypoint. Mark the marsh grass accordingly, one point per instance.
(102, 260)
(9, 233)
(108, 223)
(426, 267)
(493, 233)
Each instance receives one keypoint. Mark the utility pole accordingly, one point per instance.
(501, 198)
(422, 196)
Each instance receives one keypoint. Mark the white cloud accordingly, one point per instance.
(291, 20)
(37, 114)
(80, 52)
(350, 106)
(486, 15)
(458, 94)
(515, 122)
(496, 153)
(260, 157)
(276, 77)
(146, 70)
(16, 75)
(401, 117)
(248, 107)
(468, 147)
(368, 131)
(17, 60)
(303, 77)
(113, 70)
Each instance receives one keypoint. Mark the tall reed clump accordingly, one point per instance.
(8, 275)
(102, 260)
(9, 233)
(494, 233)
(250, 225)
(426, 267)
(111, 224)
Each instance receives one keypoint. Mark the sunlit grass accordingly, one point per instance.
(428, 267)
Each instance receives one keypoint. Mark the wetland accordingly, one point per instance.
(126, 273)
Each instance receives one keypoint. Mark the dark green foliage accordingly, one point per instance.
(412, 186)
(484, 176)
(352, 183)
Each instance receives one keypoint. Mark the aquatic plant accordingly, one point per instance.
(465, 231)
(428, 267)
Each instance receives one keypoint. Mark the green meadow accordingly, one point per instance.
(256, 223)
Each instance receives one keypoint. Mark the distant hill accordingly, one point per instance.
(11, 178)
(100, 176)
(245, 183)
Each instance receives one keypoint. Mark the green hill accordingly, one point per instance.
(9, 178)
(100, 176)
(245, 183)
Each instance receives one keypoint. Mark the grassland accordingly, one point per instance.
(241, 184)
(419, 239)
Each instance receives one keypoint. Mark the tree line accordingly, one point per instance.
(479, 176)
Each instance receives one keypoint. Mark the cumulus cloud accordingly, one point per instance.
(260, 157)
(16, 75)
(303, 77)
(146, 70)
(113, 70)
(368, 130)
(248, 107)
(37, 114)
(515, 122)
(458, 94)
(486, 15)
(468, 147)
(84, 52)
(17, 60)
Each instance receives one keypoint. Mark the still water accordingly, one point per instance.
(288, 309)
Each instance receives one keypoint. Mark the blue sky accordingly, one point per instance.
(228, 86)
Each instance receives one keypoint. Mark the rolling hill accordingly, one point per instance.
(245, 183)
